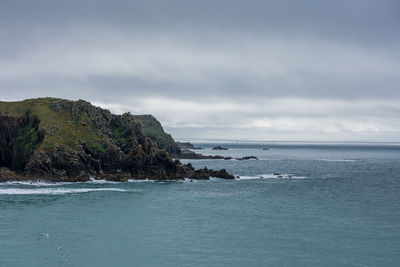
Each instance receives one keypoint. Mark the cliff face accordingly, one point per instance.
(152, 128)
(19, 137)
(61, 140)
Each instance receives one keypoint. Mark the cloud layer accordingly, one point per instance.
(214, 69)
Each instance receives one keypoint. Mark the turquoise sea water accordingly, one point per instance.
(341, 207)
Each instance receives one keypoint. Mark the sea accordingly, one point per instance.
(299, 204)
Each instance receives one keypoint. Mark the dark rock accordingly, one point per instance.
(248, 158)
(153, 129)
(206, 173)
(220, 148)
(6, 175)
(19, 137)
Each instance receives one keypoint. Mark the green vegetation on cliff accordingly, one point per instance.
(66, 124)
(60, 127)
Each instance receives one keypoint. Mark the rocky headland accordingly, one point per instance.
(62, 140)
(153, 129)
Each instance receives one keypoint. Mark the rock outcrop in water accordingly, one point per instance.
(62, 140)
(220, 148)
(186, 145)
(188, 154)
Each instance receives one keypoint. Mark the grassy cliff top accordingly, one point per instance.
(70, 123)
(59, 125)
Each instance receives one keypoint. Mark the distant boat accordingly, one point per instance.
(265, 148)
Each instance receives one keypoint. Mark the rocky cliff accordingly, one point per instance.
(152, 128)
(62, 140)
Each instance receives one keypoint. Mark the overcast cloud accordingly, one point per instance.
(228, 69)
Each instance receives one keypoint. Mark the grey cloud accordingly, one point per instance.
(256, 67)
(222, 65)
(357, 19)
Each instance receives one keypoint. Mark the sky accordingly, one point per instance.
(214, 69)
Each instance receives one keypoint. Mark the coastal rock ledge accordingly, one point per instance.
(60, 140)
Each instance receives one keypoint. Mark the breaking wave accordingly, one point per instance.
(35, 183)
(270, 176)
(56, 191)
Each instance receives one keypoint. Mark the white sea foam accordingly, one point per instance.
(94, 181)
(277, 176)
(140, 181)
(35, 183)
(43, 183)
(55, 191)
(243, 177)
(270, 176)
